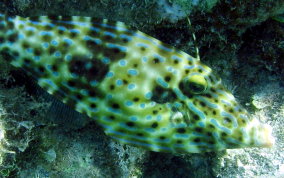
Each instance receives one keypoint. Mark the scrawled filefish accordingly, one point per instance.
(141, 91)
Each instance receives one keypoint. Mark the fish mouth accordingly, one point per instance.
(261, 135)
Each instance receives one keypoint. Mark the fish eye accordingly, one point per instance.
(197, 84)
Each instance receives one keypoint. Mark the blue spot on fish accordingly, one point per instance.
(54, 43)
(148, 95)
(122, 62)
(119, 82)
(94, 83)
(68, 57)
(214, 121)
(148, 117)
(36, 58)
(57, 54)
(201, 124)
(195, 110)
(68, 41)
(106, 60)
(46, 33)
(110, 74)
(233, 119)
(181, 135)
(75, 31)
(61, 28)
(131, 86)
(161, 82)
(144, 59)
(159, 118)
(128, 103)
(133, 118)
(123, 36)
(174, 57)
(45, 45)
(106, 33)
(95, 29)
(121, 48)
(132, 72)
(142, 105)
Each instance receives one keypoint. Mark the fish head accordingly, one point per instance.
(212, 115)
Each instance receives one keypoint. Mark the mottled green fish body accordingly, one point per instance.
(140, 90)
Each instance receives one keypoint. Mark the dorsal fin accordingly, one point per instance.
(194, 39)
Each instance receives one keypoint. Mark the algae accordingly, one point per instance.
(279, 18)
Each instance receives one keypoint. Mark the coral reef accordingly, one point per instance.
(175, 10)
(236, 38)
(17, 131)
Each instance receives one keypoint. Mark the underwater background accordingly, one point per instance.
(242, 41)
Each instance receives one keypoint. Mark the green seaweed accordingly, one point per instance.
(279, 18)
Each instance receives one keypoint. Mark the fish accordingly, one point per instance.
(141, 91)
